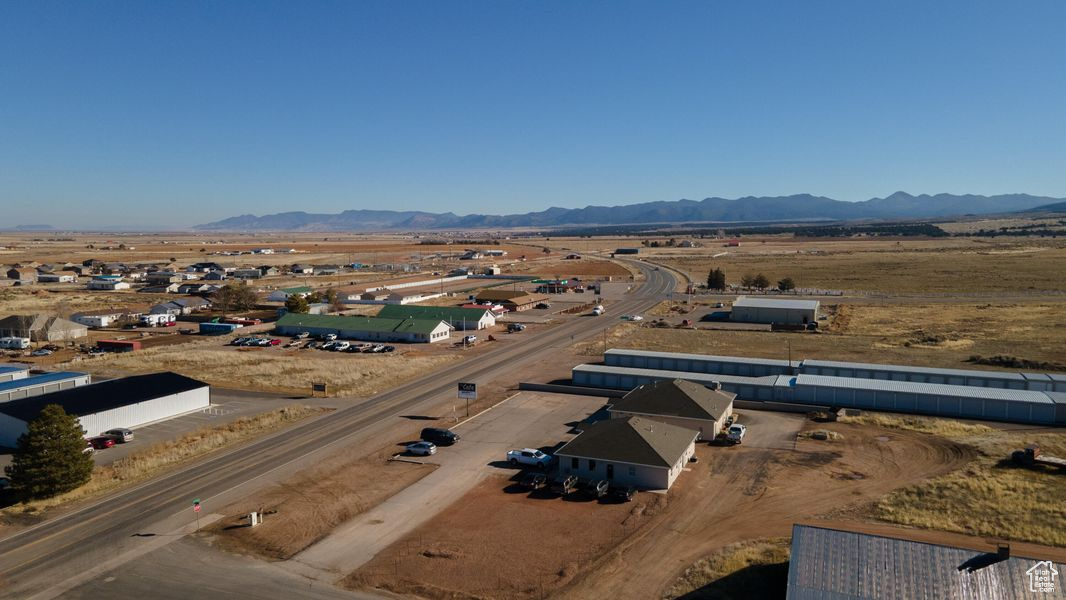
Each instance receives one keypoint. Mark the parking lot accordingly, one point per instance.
(530, 419)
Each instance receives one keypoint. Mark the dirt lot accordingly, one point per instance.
(935, 335)
(311, 506)
(484, 544)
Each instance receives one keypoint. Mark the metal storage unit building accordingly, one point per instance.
(992, 379)
(774, 310)
(37, 385)
(698, 363)
(1016, 406)
(128, 402)
(627, 378)
(11, 373)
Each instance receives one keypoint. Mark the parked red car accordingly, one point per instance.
(275, 342)
(101, 442)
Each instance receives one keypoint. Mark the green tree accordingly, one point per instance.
(50, 457)
(330, 297)
(786, 284)
(761, 282)
(296, 303)
(748, 280)
(234, 296)
(716, 279)
(314, 298)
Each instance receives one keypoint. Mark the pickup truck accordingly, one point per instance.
(736, 433)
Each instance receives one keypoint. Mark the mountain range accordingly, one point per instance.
(798, 207)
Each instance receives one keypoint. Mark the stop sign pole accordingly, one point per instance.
(196, 509)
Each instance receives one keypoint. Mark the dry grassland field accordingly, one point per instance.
(949, 266)
(270, 369)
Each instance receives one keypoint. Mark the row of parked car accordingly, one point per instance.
(108, 439)
(342, 346)
(255, 341)
(430, 438)
(563, 485)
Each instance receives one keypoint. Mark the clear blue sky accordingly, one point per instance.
(169, 114)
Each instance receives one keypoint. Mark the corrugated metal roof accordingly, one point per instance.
(767, 380)
(11, 369)
(912, 387)
(831, 564)
(773, 362)
(107, 395)
(1056, 377)
(34, 380)
(912, 369)
(1056, 397)
(1036, 376)
(745, 301)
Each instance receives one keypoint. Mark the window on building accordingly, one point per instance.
(592, 465)
(632, 471)
(574, 463)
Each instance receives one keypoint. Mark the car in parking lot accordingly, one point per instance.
(533, 480)
(119, 434)
(469, 339)
(422, 448)
(239, 341)
(101, 442)
(515, 327)
(41, 352)
(440, 436)
(327, 345)
(543, 305)
(303, 335)
(389, 349)
(564, 484)
(329, 337)
(529, 456)
(275, 342)
(339, 346)
(595, 488)
(736, 433)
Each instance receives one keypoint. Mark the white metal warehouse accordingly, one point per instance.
(45, 383)
(698, 363)
(774, 310)
(128, 402)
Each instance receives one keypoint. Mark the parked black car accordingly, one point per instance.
(515, 327)
(440, 437)
(533, 481)
(623, 493)
(596, 488)
(564, 484)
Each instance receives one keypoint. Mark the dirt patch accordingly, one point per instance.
(303, 510)
(499, 544)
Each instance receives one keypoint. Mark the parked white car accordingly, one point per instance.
(529, 456)
(469, 339)
(422, 448)
(340, 346)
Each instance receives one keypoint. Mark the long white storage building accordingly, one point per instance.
(45, 383)
(128, 402)
(12, 372)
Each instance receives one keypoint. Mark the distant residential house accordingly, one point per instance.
(215, 276)
(327, 269)
(58, 277)
(135, 275)
(192, 288)
(302, 270)
(23, 275)
(107, 283)
(45, 268)
(92, 264)
(246, 274)
(170, 288)
(41, 328)
(375, 296)
(205, 267)
(283, 294)
(180, 306)
(106, 317)
(163, 278)
(267, 270)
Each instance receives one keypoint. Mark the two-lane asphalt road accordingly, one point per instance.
(64, 547)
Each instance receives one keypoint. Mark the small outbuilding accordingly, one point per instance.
(42, 328)
(774, 310)
(633, 451)
(678, 402)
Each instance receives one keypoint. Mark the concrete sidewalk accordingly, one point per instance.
(528, 419)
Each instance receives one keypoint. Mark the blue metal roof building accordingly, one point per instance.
(46, 383)
(12, 372)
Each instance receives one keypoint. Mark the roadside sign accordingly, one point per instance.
(468, 391)
(196, 505)
(318, 387)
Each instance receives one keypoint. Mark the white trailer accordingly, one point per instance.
(157, 320)
(14, 343)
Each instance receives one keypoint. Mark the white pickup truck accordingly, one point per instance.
(736, 433)
(529, 456)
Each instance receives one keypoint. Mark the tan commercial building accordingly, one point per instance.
(678, 402)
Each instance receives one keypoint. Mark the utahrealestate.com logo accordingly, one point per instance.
(1042, 577)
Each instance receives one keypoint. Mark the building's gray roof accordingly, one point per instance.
(746, 302)
(912, 369)
(703, 378)
(632, 440)
(913, 387)
(828, 564)
(772, 362)
(676, 398)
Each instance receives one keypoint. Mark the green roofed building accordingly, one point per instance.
(375, 329)
(459, 318)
